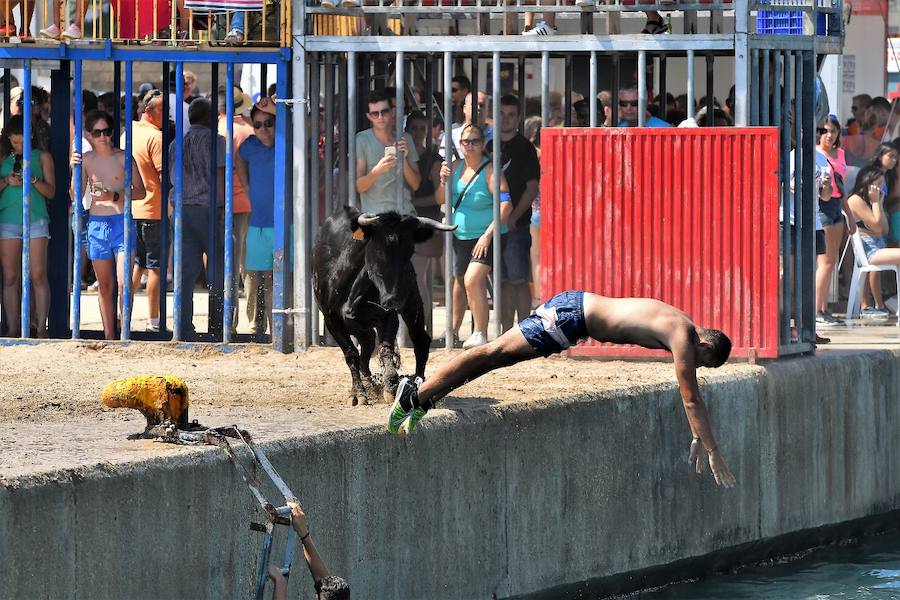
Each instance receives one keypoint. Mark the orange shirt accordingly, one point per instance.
(146, 148)
(241, 132)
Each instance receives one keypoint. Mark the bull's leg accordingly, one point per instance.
(388, 356)
(351, 355)
(414, 317)
(366, 340)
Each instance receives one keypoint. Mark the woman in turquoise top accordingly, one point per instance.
(471, 181)
(43, 186)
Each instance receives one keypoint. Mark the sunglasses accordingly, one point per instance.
(101, 132)
(471, 142)
(628, 102)
(821, 130)
(383, 113)
(268, 124)
(454, 90)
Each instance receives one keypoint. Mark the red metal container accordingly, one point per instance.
(687, 216)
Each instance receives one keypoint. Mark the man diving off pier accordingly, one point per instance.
(572, 317)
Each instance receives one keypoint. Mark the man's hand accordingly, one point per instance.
(402, 148)
(385, 165)
(717, 464)
(275, 573)
(298, 519)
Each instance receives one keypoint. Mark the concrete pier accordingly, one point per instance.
(482, 501)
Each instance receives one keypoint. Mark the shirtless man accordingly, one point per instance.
(104, 172)
(572, 317)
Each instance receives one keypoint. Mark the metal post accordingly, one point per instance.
(710, 89)
(782, 109)
(178, 191)
(25, 311)
(347, 139)
(806, 74)
(117, 109)
(448, 206)
(329, 133)
(315, 66)
(7, 79)
(755, 98)
(230, 267)
(642, 87)
(545, 89)
(399, 79)
(280, 312)
(128, 262)
(799, 193)
(301, 216)
(77, 207)
(350, 128)
(430, 66)
(691, 102)
(164, 204)
(742, 71)
(617, 73)
(212, 250)
(593, 88)
(521, 87)
(567, 89)
(474, 91)
(498, 172)
(766, 103)
(662, 87)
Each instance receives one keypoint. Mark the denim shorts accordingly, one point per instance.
(516, 251)
(557, 324)
(871, 245)
(13, 231)
(106, 236)
(830, 212)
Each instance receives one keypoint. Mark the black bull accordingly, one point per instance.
(362, 279)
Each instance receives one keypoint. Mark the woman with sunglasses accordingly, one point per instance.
(43, 186)
(104, 174)
(471, 181)
(831, 214)
(867, 204)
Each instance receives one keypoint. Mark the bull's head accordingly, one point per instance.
(390, 242)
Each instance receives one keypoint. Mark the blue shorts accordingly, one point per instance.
(260, 250)
(13, 231)
(106, 236)
(557, 324)
(871, 245)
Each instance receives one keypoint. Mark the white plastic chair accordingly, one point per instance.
(861, 267)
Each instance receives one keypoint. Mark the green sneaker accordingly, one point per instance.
(406, 391)
(410, 422)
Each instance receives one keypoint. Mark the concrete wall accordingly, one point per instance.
(482, 501)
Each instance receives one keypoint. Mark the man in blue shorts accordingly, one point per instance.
(572, 317)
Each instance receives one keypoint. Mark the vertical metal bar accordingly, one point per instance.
(178, 190)
(617, 73)
(347, 139)
(350, 127)
(474, 91)
(448, 206)
(430, 66)
(806, 71)
(662, 87)
(230, 267)
(77, 206)
(264, 79)
(521, 88)
(755, 99)
(799, 193)
(212, 251)
(7, 79)
(642, 87)
(399, 81)
(766, 103)
(329, 133)
(710, 89)
(567, 89)
(164, 203)
(782, 109)
(315, 65)
(593, 88)
(498, 173)
(282, 210)
(301, 216)
(117, 109)
(742, 71)
(127, 291)
(545, 88)
(25, 311)
(691, 103)
(265, 552)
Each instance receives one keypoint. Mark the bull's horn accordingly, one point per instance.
(367, 219)
(436, 224)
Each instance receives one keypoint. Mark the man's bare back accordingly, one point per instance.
(642, 321)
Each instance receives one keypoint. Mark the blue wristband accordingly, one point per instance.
(504, 197)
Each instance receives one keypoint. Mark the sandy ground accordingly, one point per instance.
(51, 417)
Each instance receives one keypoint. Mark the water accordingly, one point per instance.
(866, 569)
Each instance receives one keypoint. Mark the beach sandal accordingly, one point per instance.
(655, 27)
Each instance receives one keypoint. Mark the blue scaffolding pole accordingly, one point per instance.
(127, 263)
(25, 312)
(77, 208)
(230, 289)
(279, 304)
(178, 189)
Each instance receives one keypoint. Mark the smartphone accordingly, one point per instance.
(17, 165)
(390, 151)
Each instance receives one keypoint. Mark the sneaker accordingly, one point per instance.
(349, 3)
(152, 327)
(234, 37)
(834, 320)
(822, 340)
(875, 313)
(327, 4)
(407, 390)
(410, 422)
(476, 339)
(826, 319)
(541, 29)
(72, 32)
(51, 32)
(584, 3)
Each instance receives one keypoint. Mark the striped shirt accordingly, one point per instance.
(195, 181)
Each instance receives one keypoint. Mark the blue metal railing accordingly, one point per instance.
(25, 312)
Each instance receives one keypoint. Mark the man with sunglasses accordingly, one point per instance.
(628, 110)
(460, 88)
(255, 167)
(377, 153)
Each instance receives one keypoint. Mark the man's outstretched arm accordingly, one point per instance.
(698, 418)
